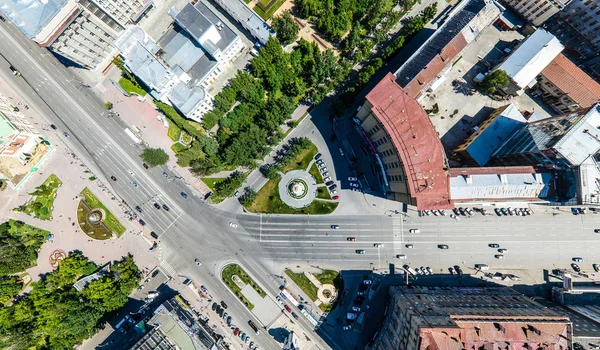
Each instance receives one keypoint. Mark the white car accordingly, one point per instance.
(347, 327)
(323, 169)
(352, 178)
(327, 179)
(356, 189)
(333, 192)
(499, 256)
(414, 230)
(321, 164)
(409, 246)
(378, 245)
(429, 270)
(325, 174)
(443, 212)
(401, 256)
(354, 184)
(234, 225)
(341, 152)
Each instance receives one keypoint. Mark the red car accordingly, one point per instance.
(287, 308)
(235, 333)
(335, 198)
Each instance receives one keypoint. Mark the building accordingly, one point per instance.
(174, 326)
(185, 61)
(558, 142)
(15, 143)
(82, 31)
(499, 184)
(537, 11)
(409, 151)
(566, 87)
(469, 318)
(528, 60)
(478, 148)
(426, 69)
(252, 22)
(291, 342)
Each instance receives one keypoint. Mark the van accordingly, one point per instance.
(253, 326)
(414, 230)
(482, 267)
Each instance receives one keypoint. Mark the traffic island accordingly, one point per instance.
(321, 288)
(95, 220)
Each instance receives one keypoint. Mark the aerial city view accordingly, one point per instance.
(300, 174)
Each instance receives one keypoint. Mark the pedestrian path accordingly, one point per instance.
(167, 268)
(397, 226)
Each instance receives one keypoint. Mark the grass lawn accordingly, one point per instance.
(178, 147)
(323, 193)
(110, 220)
(40, 205)
(267, 11)
(130, 87)
(314, 171)
(302, 160)
(235, 269)
(174, 132)
(268, 201)
(304, 283)
(328, 277)
(212, 181)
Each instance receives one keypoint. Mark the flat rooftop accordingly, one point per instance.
(416, 141)
(31, 15)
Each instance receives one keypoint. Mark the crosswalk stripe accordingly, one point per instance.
(100, 87)
(167, 268)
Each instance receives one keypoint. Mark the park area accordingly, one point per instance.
(95, 219)
(236, 278)
(266, 8)
(42, 201)
(321, 288)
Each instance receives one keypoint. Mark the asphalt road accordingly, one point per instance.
(192, 229)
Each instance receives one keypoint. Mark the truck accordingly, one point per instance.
(15, 71)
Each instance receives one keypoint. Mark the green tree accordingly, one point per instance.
(9, 287)
(353, 39)
(42, 190)
(228, 187)
(309, 8)
(154, 156)
(286, 28)
(429, 12)
(225, 99)
(211, 118)
(203, 167)
(108, 105)
(249, 197)
(248, 146)
(495, 80)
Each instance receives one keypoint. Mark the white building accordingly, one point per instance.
(187, 59)
(537, 11)
(247, 18)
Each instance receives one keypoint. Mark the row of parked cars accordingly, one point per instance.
(329, 182)
(513, 211)
(219, 309)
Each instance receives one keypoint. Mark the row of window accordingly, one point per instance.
(394, 178)
(391, 165)
(381, 141)
(387, 152)
(373, 130)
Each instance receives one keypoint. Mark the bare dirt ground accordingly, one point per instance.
(15, 171)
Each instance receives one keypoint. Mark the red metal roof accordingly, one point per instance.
(416, 141)
(434, 67)
(572, 81)
(454, 172)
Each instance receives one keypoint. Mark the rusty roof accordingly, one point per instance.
(574, 82)
(435, 66)
(416, 141)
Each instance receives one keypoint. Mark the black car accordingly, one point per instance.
(154, 235)
(113, 178)
(493, 245)
(332, 187)
(294, 315)
(318, 155)
(53, 126)
(597, 230)
(183, 194)
(156, 205)
(214, 306)
(154, 246)
(443, 246)
(155, 273)
(329, 183)
(142, 222)
(138, 209)
(2, 19)
(221, 311)
(223, 305)
(458, 269)
(165, 207)
(575, 267)
(66, 134)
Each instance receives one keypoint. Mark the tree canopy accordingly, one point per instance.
(286, 28)
(154, 156)
(495, 80)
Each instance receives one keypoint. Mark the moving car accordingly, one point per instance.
(578, 259)
(153, 246)
(138, 209)
(165, 207)
(502, 250)
(378, 245)
(2, 19)
(223, 304)
(154, 235)
(254, 328)
(156, 205)
(197, 262)
(360, 251)
(443, 246)
(597, 230)
(142, 222)
(575, 267)
(596, 267)
(287, 308)
(183, 194)
(53, 126)
(112, 177)
(335, 227)
(294, 315)
(499, 256)
(409, 246)
(351, 239)
(145, 166)
(493, 245)
(401, 256)
(234, 225)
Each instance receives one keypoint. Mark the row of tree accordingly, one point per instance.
(54, 315)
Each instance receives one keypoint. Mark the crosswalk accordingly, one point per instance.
(397, 226)
(100, 87)
(167, 269)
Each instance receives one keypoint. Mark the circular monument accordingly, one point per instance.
(297, 188)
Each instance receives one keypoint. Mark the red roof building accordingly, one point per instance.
(411, 152)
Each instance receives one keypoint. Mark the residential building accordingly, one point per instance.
(558, 142)
(17, 144)
(469, 318)
(185, 61)
(291, 342)
(499, 184)
(174, 326)
(478, 148)
(537, 11)
(124, 12)
(566, 87)
(426, 69)
(409, 150)
(528, 60)
(252, 22)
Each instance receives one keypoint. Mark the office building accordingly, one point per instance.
(426, 69)
(185, 61)
(558, 142)
(469, 318)
(566, 87)
(244, 15)
(528, 60)
(537, 11)
(406, 145)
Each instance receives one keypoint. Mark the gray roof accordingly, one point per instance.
(184, 98)
(500, 186)
(194, 20)
(243, 14)
(180, 50)
(434, 45)
(31, 15)
(145, 66)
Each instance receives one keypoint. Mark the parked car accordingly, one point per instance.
(197, 262)
(332, 187)
(354, 189)
(360, 251)
(335, 198)
(493, 245)
(341, 152)
(214, 306)
(317, 156)
(575, 267)
(596, 267)
(352, 178)
(156, 205)
(451, 270)
(578, 259)
(325, 174)
(142, 222)
(229, 320)
(354, 184)
(287, 308)
(575, 211)
(323, 170)
(327, 179)
(347, 327)
(333, 193)
(498, 211)
(458, 269)
(329, 183)
(154, 235)
(236, 332)
(294, 315)
(504, 211)
(378, 245)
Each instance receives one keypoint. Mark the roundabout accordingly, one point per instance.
(297, 188)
